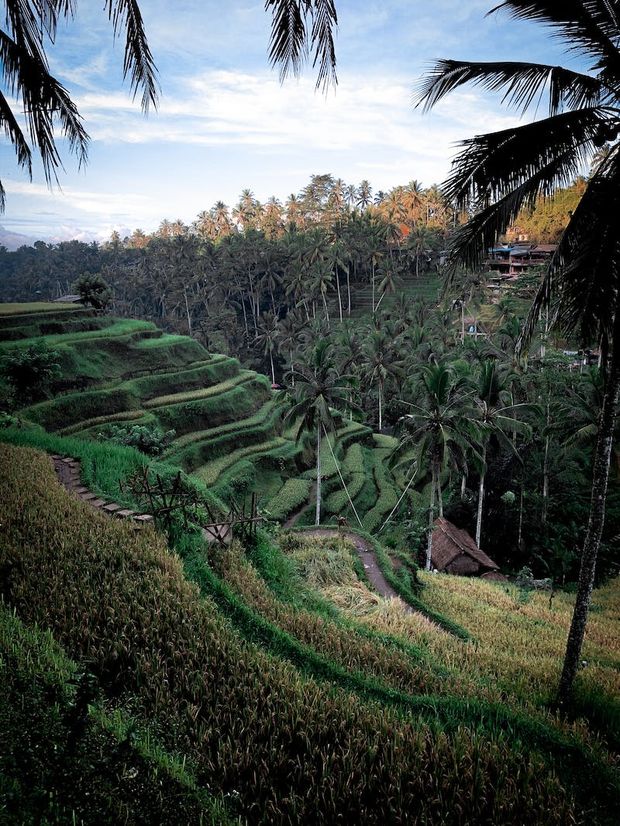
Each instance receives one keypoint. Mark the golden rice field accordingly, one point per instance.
(518, 641)
(282, 747)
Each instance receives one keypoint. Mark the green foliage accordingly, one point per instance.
(387, 499)
(116, 327)
(30, 371)
(148, 439)
(158, 641)
(93, 290)
(63, 757)
(73, 408)
(294, 493)
(104, 466)
(206, 392)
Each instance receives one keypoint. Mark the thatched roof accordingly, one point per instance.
(450, 542)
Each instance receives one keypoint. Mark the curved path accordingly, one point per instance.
(368, 557)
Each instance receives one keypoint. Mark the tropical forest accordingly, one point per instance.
(310, 503)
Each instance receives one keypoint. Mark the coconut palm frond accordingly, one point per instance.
(471, 241)
(323, 23)
(521, 83)
(591, 27)
(490, 165)
(28, 28)
(585, 434)
(44, 101)
(14, 133)
(138, 61)
(299, 26)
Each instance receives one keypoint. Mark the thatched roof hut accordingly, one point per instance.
(455, 552)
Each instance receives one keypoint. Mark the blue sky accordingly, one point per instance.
(225, 123)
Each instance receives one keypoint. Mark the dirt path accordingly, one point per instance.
(369, 561)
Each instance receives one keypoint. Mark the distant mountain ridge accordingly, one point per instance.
(14, 240)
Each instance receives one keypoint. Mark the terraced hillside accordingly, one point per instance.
(229, 429)
(425, 287)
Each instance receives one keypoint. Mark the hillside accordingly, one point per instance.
(229, 426)
(378, 718)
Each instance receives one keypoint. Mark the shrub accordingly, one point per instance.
(148, 438)
(30, 371)
(93, 290)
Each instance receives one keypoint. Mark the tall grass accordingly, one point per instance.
(65, 757)
(293, 751)
(104, 466)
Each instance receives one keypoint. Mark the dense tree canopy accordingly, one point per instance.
(496, 175)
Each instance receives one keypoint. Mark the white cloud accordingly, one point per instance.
(91, 202)
(365, 115)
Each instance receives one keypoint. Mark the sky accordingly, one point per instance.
(226, 123)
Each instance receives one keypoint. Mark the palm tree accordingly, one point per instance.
(289, 331)
(24, 68)
(267, 338)
(439, 433)
(364, 195)
(319, 389)
(298, 28)
(495, 419)
(498, 174)
(389, 281)
(381, 364)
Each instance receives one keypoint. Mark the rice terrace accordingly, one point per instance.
(310, 504)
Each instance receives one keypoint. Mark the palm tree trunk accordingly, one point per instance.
(481, 497)
(338, 291)
(317, 520)
(245, 317)
(273, 372)
(600, 476)
(326, 308)
(431, 514)
(305, 303)
(380, 407)
(463, 486)
(380, 300)
(373, 286)
(545, 490)
(520, 531)
(439, 497)
(292, 369)
(348, 292)
(189, 315)
(436, 478)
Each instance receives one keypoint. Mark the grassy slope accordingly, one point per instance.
(228, 428)
(118, 600)
(66, 757)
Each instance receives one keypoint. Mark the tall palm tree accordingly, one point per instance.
(364, 195)
(438, 431)
(495, 416)
(380, 364)
(319, 389)
(267, 338)
(498, 174)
